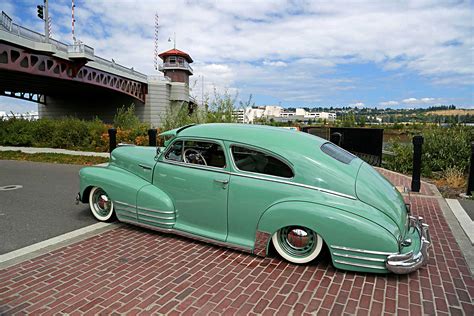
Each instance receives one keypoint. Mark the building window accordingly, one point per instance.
(172, 60)
(256, 161)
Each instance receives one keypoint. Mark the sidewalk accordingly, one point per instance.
(35, 150)
(137, 271)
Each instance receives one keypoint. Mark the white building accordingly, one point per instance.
(249, 114)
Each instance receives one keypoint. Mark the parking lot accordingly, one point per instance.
(42, 206)
(137, 271)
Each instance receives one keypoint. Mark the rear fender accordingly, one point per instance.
(336, 227)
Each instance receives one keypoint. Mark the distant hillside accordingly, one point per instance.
(451, 112)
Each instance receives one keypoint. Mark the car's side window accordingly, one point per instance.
(204, 153)
(175, 152)
(256, 161)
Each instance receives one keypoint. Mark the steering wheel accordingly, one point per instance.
(193, 156)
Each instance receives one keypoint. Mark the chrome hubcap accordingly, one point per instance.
(297, 241)
(101, 202)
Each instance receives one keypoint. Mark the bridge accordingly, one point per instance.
(70, 80)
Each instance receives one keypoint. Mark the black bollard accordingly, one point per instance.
(336, 138)
(470, 181)
(415, 180)
(112, 139)
(152, 137)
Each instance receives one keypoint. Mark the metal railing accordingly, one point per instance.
(20, 31)
(182, 65)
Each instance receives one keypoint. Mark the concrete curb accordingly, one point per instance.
(43, 247)
(464, 243)
(36, 150)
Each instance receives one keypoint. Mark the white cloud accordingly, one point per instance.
(420, 101)
(277, 63)
(357, 104)
(388, 103)
(286, 49)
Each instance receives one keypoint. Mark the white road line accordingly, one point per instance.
(51, 242)
(464, 220)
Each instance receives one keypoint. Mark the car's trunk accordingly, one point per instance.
(372, 188)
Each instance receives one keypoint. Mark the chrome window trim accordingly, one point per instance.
(295, 184)
(202, 167)
(269, 153)
(360, 265)
(156, 211)
(383, 253)
(358, 257)
(252, 176)
(204, 140)
(156, 216)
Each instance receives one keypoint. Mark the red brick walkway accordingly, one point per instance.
(133, 270)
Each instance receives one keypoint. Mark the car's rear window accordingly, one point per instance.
(337, 153)
(252, 160)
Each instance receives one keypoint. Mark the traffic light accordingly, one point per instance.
(40, 12)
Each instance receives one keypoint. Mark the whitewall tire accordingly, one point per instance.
(297, 244)
(100, 204)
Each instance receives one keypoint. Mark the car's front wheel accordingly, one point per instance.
(100, 204)
(297, 244)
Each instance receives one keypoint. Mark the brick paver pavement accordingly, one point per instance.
(137, 271)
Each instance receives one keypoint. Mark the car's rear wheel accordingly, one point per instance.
(100, 204)
(297, 244)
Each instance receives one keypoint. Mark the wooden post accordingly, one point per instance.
(417, 150)
(112, 139)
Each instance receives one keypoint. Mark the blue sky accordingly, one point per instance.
(296, 53)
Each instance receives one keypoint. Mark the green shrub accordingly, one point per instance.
(443, 148)
(125, 118)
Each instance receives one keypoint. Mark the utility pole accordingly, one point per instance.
(46, 21)
(73, 21)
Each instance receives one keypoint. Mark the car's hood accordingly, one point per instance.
(135, 159)
(372, 188)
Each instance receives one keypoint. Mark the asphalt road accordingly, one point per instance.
(43, 208)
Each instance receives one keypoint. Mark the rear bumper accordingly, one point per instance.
(411, 261)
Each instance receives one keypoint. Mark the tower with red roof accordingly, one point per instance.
(176, 65)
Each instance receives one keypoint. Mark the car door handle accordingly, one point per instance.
(145, 166)
(221, 181)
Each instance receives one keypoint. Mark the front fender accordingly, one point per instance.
(337, 227)
(120, 185)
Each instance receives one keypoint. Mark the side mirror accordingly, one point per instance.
(158, 150)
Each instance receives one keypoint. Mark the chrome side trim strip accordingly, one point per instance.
(160, 229)
(156, 222)
(191, 236)
(125, 210)
(156, 216)
(360, 265)
(126, 204)
(364, 251)
(358, 257)
(156, 211)
(295, 184)
(220, 170)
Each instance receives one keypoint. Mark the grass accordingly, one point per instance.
(52, 158)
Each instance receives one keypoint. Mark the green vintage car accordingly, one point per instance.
(249, 187)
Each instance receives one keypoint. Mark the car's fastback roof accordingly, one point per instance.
(274, 138)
